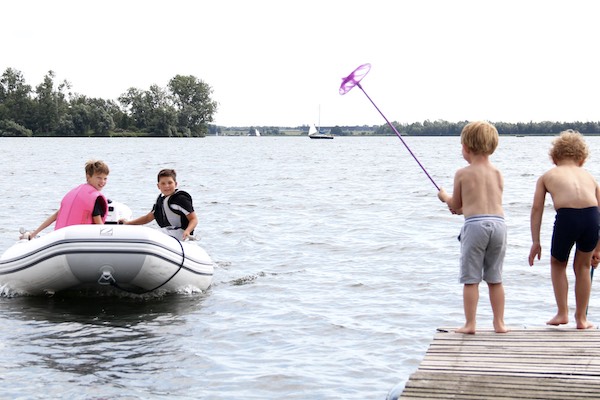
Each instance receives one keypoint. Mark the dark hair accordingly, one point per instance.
(167, 173)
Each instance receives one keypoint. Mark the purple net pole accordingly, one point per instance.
(399, 137)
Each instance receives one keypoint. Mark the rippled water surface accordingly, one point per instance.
(335, 264)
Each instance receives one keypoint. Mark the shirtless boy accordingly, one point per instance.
(576, 197)
(477, 194)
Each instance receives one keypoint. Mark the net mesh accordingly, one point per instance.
(354, 78)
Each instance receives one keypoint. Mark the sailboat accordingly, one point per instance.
(315, 133)
(255, 133)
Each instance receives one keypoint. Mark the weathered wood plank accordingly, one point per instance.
(539, 363)
(438, 386)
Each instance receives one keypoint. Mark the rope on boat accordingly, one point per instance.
(109, 279)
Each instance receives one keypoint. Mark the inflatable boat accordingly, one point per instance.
(131, 258)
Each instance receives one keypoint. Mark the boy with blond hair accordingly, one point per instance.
(576, 198)
(477, 194)
(83, 204)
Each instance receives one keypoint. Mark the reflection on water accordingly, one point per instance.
(108, 310)
(107, 340)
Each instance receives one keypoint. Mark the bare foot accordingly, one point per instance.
(558, 320)
(585, 325)
(500, 328)
(466, 329)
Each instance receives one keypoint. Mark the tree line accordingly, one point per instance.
(446, 128)
(183, 108)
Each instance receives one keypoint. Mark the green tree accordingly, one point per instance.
(151, 111)
(135, 106)
(15, 98)
(195, 108)
(50, 104)
(11, 128)
(337, 131)
(101, 120)
(87, 117)
(66, 126)
(163, 116)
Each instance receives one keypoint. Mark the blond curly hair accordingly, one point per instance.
(570, 144)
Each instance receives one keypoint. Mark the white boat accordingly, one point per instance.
(131, 258)
(316, 133)
(255, 133)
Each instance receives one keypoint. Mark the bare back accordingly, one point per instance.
(570, 187)
(480, 185)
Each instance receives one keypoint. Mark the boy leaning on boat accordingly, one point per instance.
(173, 210)
(83, 204)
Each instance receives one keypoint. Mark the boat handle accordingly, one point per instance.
(106, 277)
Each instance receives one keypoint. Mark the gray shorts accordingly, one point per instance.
(482, 249)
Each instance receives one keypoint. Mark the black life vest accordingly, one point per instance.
(160, 213)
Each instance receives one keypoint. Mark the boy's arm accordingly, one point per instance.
(44, 225)
(596, 256)
(193, 222)
(144, 219)
(598, 194)
(537, 210)
(454, 202)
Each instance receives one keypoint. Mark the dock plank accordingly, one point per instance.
(528, 363)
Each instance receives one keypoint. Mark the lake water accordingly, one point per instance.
(334, 264)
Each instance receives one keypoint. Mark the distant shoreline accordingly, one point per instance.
(285, 134)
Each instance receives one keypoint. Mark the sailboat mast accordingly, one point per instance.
(319, 129)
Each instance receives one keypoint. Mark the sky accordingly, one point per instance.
(281, 62)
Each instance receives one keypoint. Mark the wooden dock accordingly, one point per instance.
(529, 363)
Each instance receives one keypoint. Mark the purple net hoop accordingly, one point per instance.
(354, 78)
